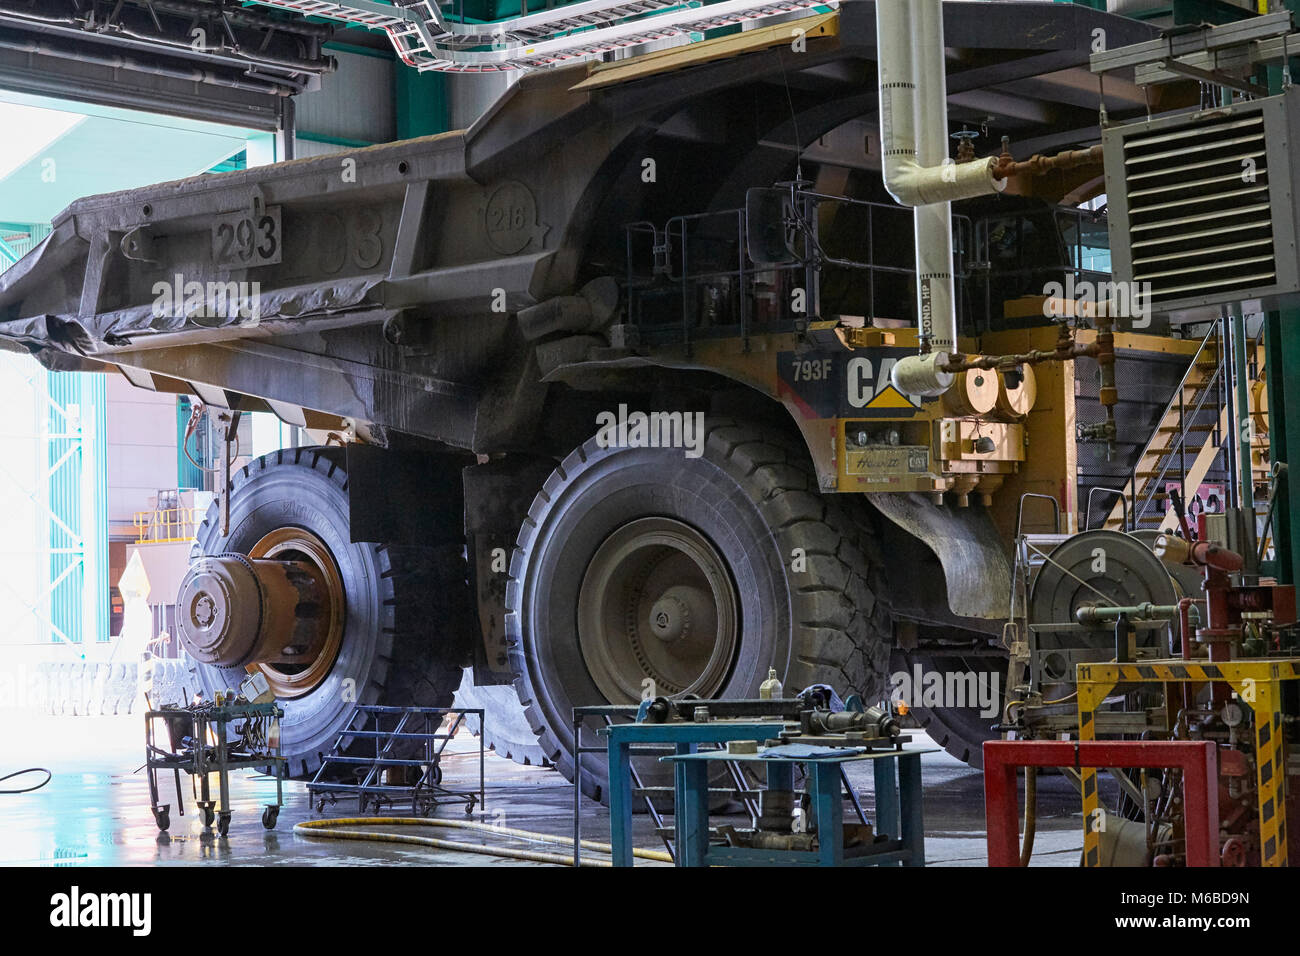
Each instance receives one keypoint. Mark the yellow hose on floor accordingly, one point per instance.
(328, 829)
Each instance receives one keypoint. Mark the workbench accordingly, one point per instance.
(898, 810)
(897, 785)
(685, 738)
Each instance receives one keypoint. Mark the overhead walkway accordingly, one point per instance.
(468, 37)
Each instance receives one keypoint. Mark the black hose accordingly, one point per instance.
(18, 773)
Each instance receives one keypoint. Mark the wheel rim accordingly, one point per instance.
(657, 605)
(297, 544)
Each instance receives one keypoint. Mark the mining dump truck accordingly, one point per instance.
(635, 387)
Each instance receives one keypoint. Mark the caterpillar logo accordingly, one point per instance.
(869, 385)
(831, 383)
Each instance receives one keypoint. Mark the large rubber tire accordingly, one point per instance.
(753, 495)
(406, 608)
(959, 730)
(508, 733)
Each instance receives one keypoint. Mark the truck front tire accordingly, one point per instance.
(644, 571)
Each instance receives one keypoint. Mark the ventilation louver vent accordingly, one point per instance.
(1194, 213)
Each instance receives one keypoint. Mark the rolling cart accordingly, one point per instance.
(211, 739)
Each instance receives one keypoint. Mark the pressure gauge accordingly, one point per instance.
(1232, 714)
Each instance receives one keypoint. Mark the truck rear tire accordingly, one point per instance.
(508, 734)
(961, 731)
(641, 571)
(404, 610)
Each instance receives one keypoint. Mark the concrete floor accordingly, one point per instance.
(95, 812)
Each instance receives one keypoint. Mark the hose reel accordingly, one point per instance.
(1083, 575)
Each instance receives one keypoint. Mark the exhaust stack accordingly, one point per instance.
(918, 173)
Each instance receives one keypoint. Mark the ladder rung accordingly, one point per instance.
(376, 761)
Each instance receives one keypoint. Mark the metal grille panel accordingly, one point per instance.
(1199, 212)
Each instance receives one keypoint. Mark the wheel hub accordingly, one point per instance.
(278, 609)
(657, 610)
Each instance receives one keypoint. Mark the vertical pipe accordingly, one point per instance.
(934, 258)
(897, 85)
(1243, 424)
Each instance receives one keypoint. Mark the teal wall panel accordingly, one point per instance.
(77, 489)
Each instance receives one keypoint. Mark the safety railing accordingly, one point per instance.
(1209, 396)
(167, 525)
(693, 277)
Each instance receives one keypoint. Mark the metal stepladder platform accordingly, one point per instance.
(420, 787)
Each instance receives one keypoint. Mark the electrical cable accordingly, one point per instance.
(195, 416)
(19, 773)
(328, 829)
(1031, 815)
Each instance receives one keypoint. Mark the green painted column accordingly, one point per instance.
(1282, 372)
(1282, 378)
(421, 102)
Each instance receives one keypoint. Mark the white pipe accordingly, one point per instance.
(913, 80)
(933, 221)
(917, 172)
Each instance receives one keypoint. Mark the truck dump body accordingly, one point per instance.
(363, 263)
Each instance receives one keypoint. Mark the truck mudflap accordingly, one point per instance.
(975, 564)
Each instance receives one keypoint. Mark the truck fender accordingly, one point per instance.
(975, 564)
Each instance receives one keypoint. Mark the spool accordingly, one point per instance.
(974, 393)
(1019, 401)
(1107, 568)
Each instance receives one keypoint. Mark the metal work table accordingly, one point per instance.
(685, 738)
(898, 810)
(898, 794)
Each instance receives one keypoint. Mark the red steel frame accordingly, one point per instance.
(1198, 759)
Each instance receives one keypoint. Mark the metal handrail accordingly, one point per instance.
(674, 267)
(1087, 514)
(1215, 382)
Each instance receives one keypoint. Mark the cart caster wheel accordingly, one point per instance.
(208, 816)
(436, 773)
(469, 809)
(269, 816)
(223, 824)
(162, 816)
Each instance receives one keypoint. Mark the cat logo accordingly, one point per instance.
(869, 386)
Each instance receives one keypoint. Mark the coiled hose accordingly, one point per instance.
(22, 773)
(329, 829)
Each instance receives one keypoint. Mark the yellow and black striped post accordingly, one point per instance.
(1259, 685)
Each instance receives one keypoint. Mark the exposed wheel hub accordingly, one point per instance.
(278, 609)
(657, 604)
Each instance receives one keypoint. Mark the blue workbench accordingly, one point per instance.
(898, 810)
(685, 739)
(897, 786)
